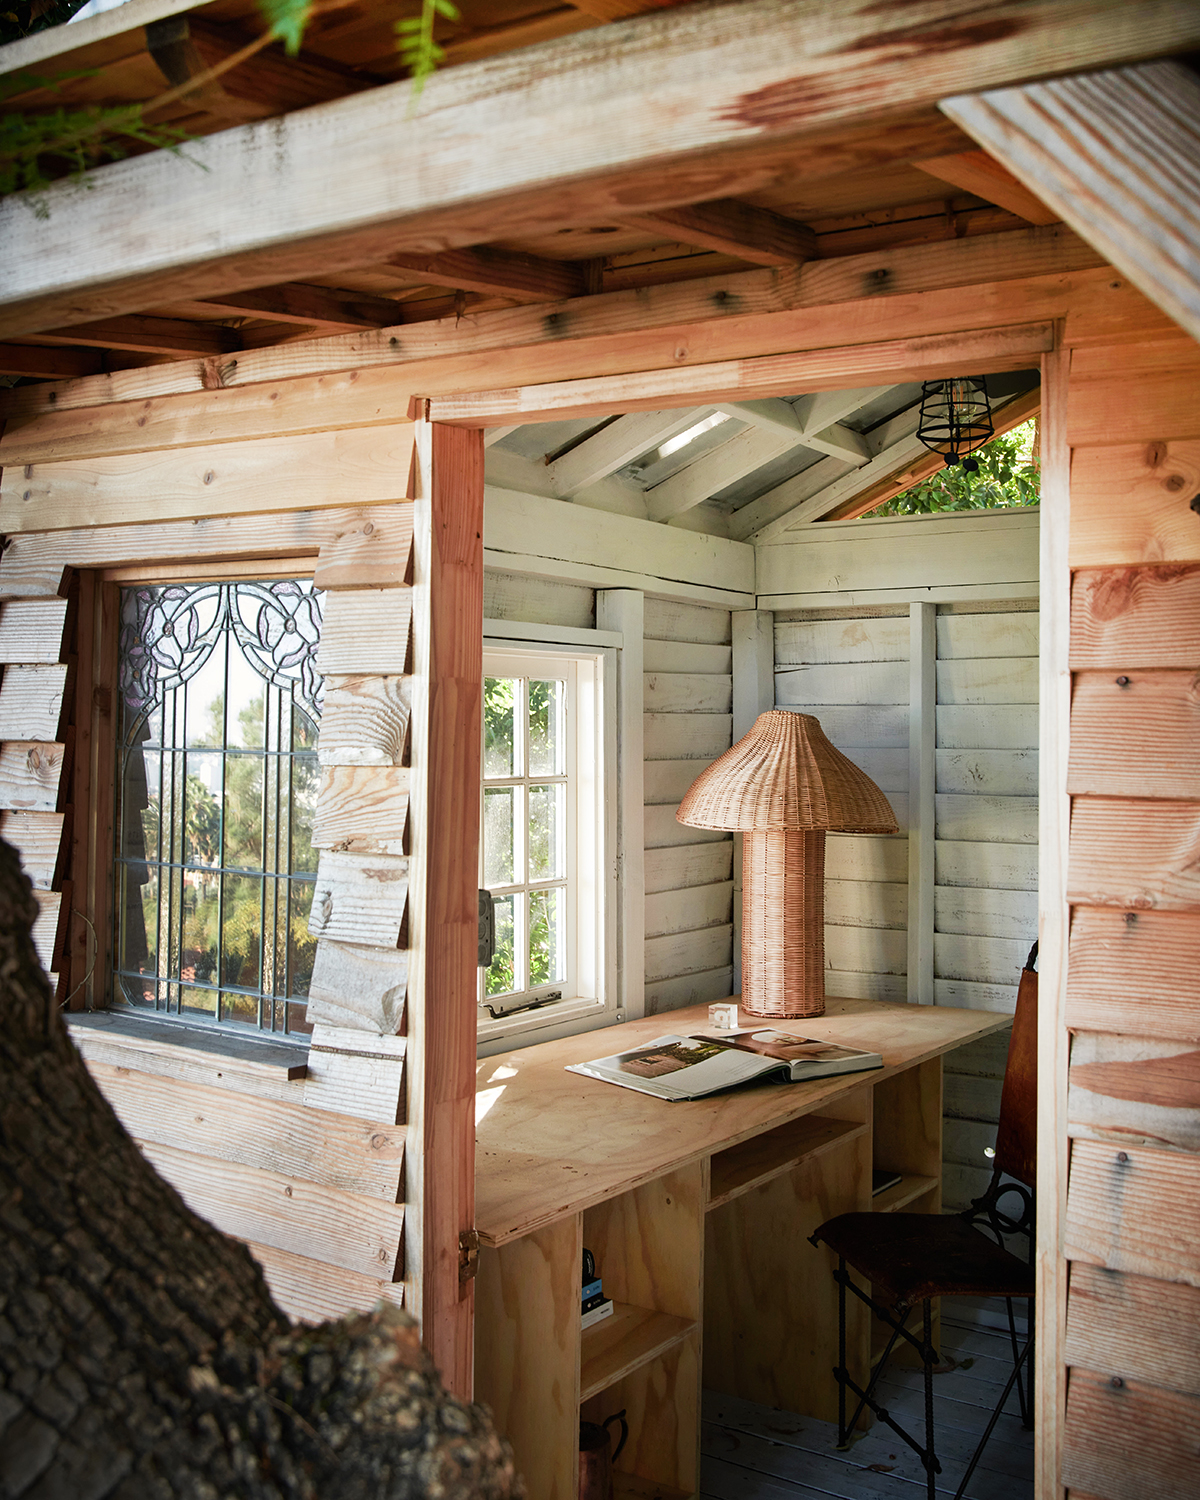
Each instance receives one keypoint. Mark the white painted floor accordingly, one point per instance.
(757, 1453)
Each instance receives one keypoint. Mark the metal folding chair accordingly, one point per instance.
(908, 1259)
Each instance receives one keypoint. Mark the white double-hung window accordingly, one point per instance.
(544, 842)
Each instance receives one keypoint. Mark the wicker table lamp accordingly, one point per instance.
(784, 786)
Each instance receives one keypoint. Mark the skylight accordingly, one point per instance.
(682, 439)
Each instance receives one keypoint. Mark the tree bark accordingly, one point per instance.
(141, 1355)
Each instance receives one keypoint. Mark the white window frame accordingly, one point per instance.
(591, 836)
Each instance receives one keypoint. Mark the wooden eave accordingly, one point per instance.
(677, 149)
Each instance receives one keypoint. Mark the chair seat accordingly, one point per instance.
(909, 1257)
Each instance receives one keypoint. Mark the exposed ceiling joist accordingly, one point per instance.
(1117, 155)
(977, 172)
(752, 234)
(679, 108)
(615, 446)
(524, 278)
(902, 462)
(741, 455)
(47, 363)
(148, 335)
(317, 306)
(776, 427)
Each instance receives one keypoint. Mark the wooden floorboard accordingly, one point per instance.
(753, 1452)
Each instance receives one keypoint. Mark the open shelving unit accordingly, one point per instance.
(624, 1342)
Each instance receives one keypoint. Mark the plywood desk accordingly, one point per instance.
(698, 1215)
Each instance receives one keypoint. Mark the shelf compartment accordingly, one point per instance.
(762, 1157)
(901, 1194)
(632, 1337)
(634, 1487)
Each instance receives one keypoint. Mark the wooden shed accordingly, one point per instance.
(600, 346)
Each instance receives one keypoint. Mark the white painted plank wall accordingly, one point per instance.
(688, 662)
(849, 667)
(986, 849)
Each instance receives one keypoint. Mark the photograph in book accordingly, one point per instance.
(689, 1067)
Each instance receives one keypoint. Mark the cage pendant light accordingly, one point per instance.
(956, 418)
(783, 785)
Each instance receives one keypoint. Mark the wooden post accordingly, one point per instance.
(922, 708)
(1054, 692)
(447, 659)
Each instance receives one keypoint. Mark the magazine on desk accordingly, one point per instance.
(689, 1067)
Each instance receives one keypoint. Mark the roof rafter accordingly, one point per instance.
(753, 234)
(776, 427)
(616, 445)
(296, 302)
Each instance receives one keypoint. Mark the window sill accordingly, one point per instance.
(200, 1053)
(525, 1029)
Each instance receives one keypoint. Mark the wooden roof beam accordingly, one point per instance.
(148, 335)
(1117, 156)
(524, 278)
(731, 228)
(683, 106)
(616, 445)
(38, 363)
(316, 306)
(977, 172)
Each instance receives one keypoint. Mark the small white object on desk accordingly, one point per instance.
(724, 1017)
(597, 1314)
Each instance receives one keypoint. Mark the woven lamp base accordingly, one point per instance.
(783, 923)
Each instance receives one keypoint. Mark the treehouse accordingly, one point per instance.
(409, 491)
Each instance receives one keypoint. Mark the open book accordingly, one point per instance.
(688, 1067)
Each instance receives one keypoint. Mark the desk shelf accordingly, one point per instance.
(623, 1343)
(902, 1193)
(762, 1157)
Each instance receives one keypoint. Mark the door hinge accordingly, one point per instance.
(468, 1254)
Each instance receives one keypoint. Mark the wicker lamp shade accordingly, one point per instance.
(784, 786)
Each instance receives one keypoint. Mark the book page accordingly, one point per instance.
(676, 1067)
(788, 1047)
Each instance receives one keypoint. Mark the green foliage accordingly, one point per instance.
(34, 148)
(287, 19)
(1009, 475)
(20, 18)
(419, 53)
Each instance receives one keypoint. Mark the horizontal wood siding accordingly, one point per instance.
(687, 723)
(850, 669)
(1132, 1413)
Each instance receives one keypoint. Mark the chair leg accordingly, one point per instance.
(1025, 1402)
(928, 1360)
(995, 1417)
(840, 1372)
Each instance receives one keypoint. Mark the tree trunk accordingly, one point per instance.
(141, 1355)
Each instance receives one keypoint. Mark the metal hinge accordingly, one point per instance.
(468, 1255)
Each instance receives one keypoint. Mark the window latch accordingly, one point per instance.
(499, 1015)
(487, 929)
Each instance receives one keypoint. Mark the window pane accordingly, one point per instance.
(498, 738)
(498, 813)
(306, 778)
(302, 951)
(199, 955)
(202, 819)
(501, 978)
(205, 701)
(243, 812)
(547, 851)
(246, 724)
(546, 957)
(546, 738)
(241, 930)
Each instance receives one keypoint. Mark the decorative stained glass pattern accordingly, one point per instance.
(217, 787)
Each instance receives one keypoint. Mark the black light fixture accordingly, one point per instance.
(956, 418)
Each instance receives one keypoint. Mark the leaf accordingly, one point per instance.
(287, 20)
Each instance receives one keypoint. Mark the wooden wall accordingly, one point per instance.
(1131, 1426)
(688, 696)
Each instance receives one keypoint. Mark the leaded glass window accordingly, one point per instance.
(217, 786)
